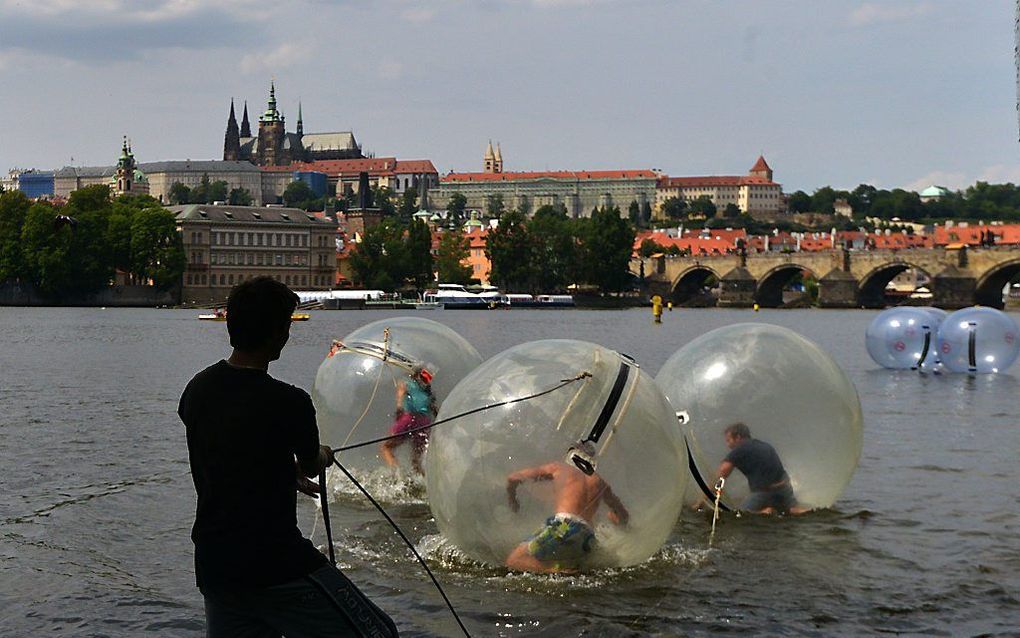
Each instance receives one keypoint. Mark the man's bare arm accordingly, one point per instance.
(618, 514)
(540, 473)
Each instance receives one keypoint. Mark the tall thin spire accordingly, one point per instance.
(300, 124)
(231, 140)
(245, 126)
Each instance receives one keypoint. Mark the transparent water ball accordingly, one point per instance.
(356, 388)
(938, 313)
(785, 389)
(904, 337)
(508, 485)
(978, 340)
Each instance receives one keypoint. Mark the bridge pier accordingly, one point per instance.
(954, 288)
(837, 289)
(737, 288)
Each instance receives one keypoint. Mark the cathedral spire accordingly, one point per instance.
(300, 124)
(232, 139)
(245, 126)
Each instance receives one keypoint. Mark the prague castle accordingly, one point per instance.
(274, 146)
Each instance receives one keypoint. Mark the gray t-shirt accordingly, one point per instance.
(759, 462)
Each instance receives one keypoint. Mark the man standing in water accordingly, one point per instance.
(567, 537)
(252, 443)
(766, 476)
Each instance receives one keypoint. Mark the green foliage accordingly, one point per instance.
(494, 206)
(554, 249)
(732, 211)
(454, 248)
(62, 259)
(382, 198)
(13, 210)
(455, 208)
(703, 205)
(606, 245)
(408, 206)
(649, 247)
(206, 192)
(118, 234)
(646, 214)
(157, 249)
(509, 249)
(799, 202)
(240, 197)
(179, 194)
(297, 193)
(391, 256)
(674, 208)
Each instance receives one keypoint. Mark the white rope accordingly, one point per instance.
(715, 512)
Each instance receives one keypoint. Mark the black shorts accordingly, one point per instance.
(781, 499)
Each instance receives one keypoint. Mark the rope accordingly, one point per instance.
(324, 502)
(563, 383)
(715, 512)
(378, 379)
(403, 536)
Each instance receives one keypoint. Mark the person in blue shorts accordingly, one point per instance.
(771, 491)
(568, 537)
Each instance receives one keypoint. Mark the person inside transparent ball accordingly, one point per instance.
(567, 538)
(416, 408)
(759, 462)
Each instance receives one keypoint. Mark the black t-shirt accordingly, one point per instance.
(244, 429)
(759, 462)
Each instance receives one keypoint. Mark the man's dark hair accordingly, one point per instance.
(256, 310)
(737, 430)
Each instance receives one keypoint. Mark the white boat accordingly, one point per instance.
(454, 297)
(555, 301)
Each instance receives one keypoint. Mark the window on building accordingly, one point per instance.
(223, 280)
(203, 280)
(279, 260)
(304, 280)
(230, 279)
(251, 259)
(188, 280)
(287, 280)
(279, 239)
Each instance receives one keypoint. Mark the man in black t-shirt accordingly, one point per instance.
(766, 476)
(252, 443)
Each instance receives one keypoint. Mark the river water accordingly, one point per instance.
(96, 500)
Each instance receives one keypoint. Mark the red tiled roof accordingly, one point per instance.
(524, 176)
(1008, 234)
(760, 165)
(415, 166)
(714, 180)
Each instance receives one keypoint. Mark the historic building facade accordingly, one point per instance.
(754, 193)
(342, 176)
(272, 145)
(578, 191)
(226, 245)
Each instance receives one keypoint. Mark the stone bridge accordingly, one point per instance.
(846, 278)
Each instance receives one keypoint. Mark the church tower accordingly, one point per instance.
(490, 159)
(245, 126)
(232, 139)
(761, 169)
(125, 169)
(271, 134)
(498, 160)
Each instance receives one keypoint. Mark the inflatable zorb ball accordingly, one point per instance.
(785, 389)
(978, 340)
(903, 337)
(355, 392)
(595, 468)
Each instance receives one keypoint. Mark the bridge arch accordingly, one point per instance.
(989, 286)
(687, 288)
(871, 289)
(769, 292)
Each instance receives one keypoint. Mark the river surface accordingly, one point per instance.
(96, 499)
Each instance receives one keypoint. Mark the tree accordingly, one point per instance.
(823, 199)
(634, 213)
(508, 247)
(646, 214)
(607, 243)
(494, 206)
(674, 207)
(13, 210)
(217, 192)
(379, 260)
(179, 194)
(383, 200)
(118, 235)
(200, 194)
(240, 197)
(419, 254)
(408, 206)
(553, 248)
(455, 208)
(157, 249)
(649, 247)
(297, 194)
(454, 248)
(732, 211)
(703, 205)
(799, 202)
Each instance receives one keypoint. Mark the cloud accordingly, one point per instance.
(418, 15)
(875, 13)
(281, 57)
(110, 30)
(995, 174)
(391, 70)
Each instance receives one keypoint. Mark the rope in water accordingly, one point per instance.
(715, 513)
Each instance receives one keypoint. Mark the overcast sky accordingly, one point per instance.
(892, 93)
